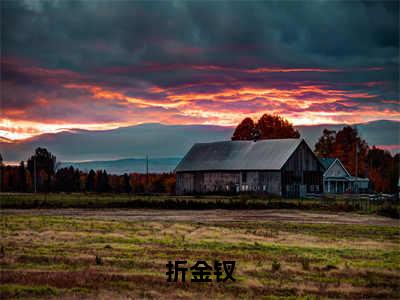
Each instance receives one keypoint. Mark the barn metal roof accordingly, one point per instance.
(238, 155)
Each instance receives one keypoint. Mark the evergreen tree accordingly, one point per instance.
(90, 182)
(22, 177)
(42, 162)
(126, 184)
(77, 181)
(102, 182)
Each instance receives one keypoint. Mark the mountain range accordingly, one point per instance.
(124, 149)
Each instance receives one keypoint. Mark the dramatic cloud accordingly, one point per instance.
(100, 64)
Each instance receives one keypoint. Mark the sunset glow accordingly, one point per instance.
(199, 71)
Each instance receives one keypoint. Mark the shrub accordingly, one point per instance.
(389, 211)
(276, 266)
(99, 260)
(305, 263)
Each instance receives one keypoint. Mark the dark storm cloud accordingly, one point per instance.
(190, 60)
(81, 35)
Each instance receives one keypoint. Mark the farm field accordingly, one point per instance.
(244, 201)
(122, 253)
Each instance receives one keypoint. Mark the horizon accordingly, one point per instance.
(199, 149)
(200, 64)
(58, 143)
(4, 139)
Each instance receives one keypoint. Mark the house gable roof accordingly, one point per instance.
(239, 155)
(331, 162)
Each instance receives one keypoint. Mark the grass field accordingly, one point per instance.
(91, 200)
(244, 201)
(87, 255)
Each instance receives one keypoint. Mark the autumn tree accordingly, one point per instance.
(276, 127)
(325, 146)
(126, 185)
(395, 173)
(382, 170)
(376, 164)
(267, 127)
(245, 130)
(345, 145)
(348, 146)
(170, 183)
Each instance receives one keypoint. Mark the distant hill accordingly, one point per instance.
(381, 132)
(155, 140)
(130, 165)
(165, 142)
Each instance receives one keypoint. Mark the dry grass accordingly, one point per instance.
(55, 256)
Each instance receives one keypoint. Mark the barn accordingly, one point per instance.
(283, 167)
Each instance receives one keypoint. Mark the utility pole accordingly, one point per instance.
(356, 182)
(34, 172)
(357, 166)
(147, 170)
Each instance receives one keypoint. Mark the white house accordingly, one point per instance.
(337, 180)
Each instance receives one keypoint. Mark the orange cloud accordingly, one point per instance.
(17, 130)
(68, 99)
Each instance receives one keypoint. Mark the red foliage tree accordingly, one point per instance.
(382, 170)
(267, 127)
(348, 145)
(376, 164)
(276, 127)
(244, 130)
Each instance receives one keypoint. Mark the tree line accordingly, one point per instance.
(356, 155)
(50, 179)
(360, 159)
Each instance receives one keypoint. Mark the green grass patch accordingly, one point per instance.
(21, 291)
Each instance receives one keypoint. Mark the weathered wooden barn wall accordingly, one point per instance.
(270, 182)
(207, 182)
(220, 181)
(284, 167)
(302, 173)
(184, 183)
(229, 181)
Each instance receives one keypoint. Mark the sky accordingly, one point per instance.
(105, 64)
